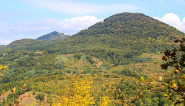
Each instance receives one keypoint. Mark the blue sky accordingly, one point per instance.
(32, 18)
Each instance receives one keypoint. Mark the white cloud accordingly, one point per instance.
(78, 23)
(36, 28)
(173, 20)
(5, 42)
(182, 28)
(72, 7)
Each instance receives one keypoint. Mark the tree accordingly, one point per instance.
(175, 79)
(40, 96)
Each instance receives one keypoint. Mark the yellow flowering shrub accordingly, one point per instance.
(3, 67)
(104, 101)
(79, 94)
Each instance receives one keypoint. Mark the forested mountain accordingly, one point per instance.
(117, 62)
(52, 36)
(121, 37)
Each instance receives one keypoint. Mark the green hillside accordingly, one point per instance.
(121, 38)
(115, 62)
(2, 47)
(24, 42)
(29, 44)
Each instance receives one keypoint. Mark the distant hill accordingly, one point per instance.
(39, 43)
(28, 44)
(52, 36)
(2, 47)
(25, 42)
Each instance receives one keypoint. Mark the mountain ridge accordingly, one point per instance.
(52, 36)
(121, 37)
(39, 43)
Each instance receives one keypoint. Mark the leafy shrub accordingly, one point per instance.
(40, 96)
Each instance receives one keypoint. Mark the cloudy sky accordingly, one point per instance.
(32, 18)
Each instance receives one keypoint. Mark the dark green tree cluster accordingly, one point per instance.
(175, 79)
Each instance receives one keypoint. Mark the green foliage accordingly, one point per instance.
(4, 101)
(175, 79)
(40, 96)
(2, 47)
(130, 91)
(127, 72)
(49, 99)
(33, 93)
